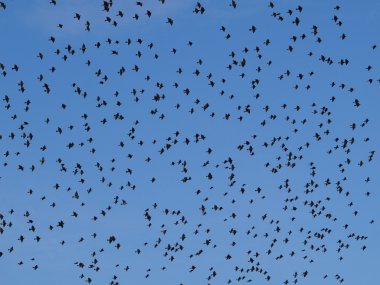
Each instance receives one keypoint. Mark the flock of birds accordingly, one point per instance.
(171, 142)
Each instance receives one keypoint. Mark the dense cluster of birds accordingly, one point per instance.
(171, 142)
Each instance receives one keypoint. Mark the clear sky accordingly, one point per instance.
(139, 111)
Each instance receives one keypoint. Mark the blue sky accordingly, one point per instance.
(27, 28)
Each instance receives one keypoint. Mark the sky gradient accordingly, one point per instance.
(119, 123)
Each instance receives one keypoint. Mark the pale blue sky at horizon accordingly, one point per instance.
(249, 172)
